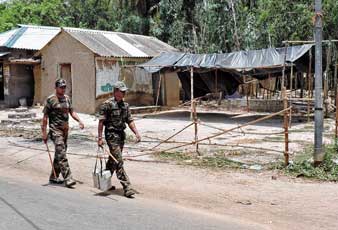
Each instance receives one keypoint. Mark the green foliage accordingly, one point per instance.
(328, 170)
(190, 25)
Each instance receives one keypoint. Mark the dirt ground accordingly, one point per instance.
(263, 197)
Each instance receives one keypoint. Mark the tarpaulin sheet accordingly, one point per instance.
(238, 61)
(162, 61)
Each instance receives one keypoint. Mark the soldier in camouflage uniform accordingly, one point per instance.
(114, 115)
(57, 108)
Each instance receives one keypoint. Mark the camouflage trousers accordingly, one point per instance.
(115, 141)
(60, 162)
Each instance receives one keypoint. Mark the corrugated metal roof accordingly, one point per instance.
(115, 44)
(28, 37)
(4, 53)
(103, 43)
(5, 36)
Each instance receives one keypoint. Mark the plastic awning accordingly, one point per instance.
(237, 61)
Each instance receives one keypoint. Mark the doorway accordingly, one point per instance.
(66, 73)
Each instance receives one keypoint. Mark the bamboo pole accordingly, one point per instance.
(336, 131)
(302, 85)
(309, 85)
(286, 127)
(326, 112)
(191, 90)
(296, 83)
(253, 133)
(195, 127)
(159, 88)
(335, 70)
(284, 66)
(286, 135)
(326, 79)
(291, 79)
(175, 134)
(307, 42)
(335, 80)
(216, 81)
(247, 94)
(269, 93)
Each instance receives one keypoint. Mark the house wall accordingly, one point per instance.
(171, 88)
(64, 49)
(139, 82)
(258, 105)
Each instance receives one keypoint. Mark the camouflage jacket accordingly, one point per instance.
(58, 110)
(115, 115)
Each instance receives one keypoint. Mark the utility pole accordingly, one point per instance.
(318, 30)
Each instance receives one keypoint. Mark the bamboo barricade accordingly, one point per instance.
(155, 140)
(286, 154)
(242, 132)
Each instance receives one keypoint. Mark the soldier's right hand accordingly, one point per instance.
(100, 142)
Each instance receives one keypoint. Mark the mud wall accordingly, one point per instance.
(64, 49)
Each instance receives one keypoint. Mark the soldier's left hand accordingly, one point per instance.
(81, 125)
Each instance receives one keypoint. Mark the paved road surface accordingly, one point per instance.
(33, 207)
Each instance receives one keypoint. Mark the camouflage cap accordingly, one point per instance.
(121, 86)
(60, 82)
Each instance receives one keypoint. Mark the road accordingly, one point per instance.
(34, 207)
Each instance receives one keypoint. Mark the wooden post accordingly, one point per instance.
(256, 89)
(309, 83)
(191, 90)
(326, 112)
(302, 85)
(326, 79)
(286, 120)
(269, 92)
(196, 127)
(286, 127)
(247, 102)
(216, 82)
(291, 78)
(158, 89)
(335, 80)
(336, 132)
(296, 83)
